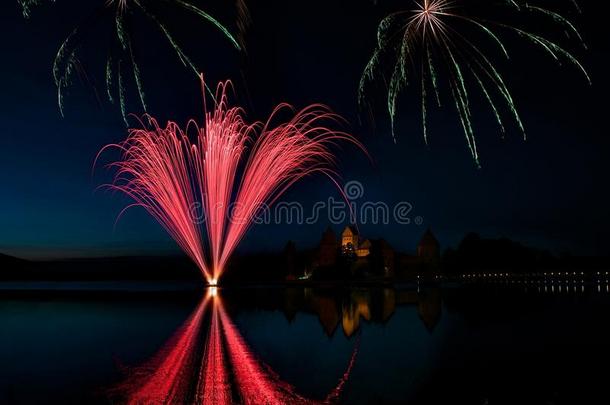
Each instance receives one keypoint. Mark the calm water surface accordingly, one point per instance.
(471, 345)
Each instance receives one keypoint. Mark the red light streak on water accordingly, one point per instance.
(213, 386)
(176, 376)
(166, 378)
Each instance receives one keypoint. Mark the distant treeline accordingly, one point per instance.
(99, 269)
(475, 253)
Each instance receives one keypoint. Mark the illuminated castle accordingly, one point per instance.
(350, 242)
(374, 256)
(428, 248)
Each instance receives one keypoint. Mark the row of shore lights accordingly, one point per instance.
(475, 276)
(570, 288)
(504, 277)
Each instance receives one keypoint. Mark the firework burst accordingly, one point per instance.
(448, 36)
(121, 56)
(171, 177)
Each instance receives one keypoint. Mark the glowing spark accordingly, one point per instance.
(441, 33)
(243, 20)
(121, 4)
(168, 175)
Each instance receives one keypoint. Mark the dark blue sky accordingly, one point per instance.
(550, 191)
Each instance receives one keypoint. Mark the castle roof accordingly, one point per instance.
(366, 244)
(349, 231)
(429, 239)
(384, 244)
(329, 236)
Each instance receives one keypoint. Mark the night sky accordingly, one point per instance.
(550, 192)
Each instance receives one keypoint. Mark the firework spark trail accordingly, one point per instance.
(279, 158)
(162, 171)
(243, 21)
(155, 173)
(438, 33)
(28, 5)
(120, 13)
(219, 151)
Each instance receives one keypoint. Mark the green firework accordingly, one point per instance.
(441, 37)
(122, 58)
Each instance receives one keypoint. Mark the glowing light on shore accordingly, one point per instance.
(170, 176)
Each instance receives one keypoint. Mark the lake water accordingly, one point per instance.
(457, 344)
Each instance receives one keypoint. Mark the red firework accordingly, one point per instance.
(170, 176)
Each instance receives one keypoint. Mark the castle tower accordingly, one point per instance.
(349, 236)
(329, 249)
(429, 248)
